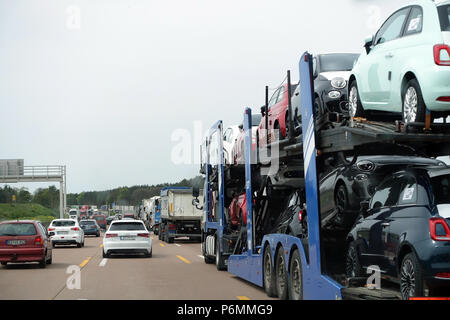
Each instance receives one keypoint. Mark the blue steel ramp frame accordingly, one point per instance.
(248, 265)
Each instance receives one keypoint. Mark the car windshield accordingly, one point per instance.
(256, 119)
(126, 226)
(85, 222)
(17, 229)
(444, 17)
(63, 223)
(99, 218)
(337, 62)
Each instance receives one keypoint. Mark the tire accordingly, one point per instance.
(295, 277)
(49, 261)
(317, 107)
(341, 198)
(411, 277)
(355, 107)
(171, 240)
(43, 263)
(353, 268)
(79, 245)
(105, 255)
(149, 255)
(281, 275)
(53, 245)
(208, 259)
(97, 235)
(268, 273)
(159, 235)
(220, 261)
(4, 263)
(413, 106)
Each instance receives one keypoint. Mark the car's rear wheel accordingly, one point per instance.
(281, 275)
(50, 260)
(79, 245)
(104, 254)
(413, 104)
(43, 262)
(4, 263)
(268, 273)
(411, 278)
(295, 277)
(353, 268)
(341, 198)
(355, 107)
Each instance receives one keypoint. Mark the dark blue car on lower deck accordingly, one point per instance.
(404, 230)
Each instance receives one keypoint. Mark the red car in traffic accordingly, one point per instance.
(24, 241)
(238, 210)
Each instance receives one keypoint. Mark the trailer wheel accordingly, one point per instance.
(208, 259)
(295, 277)
(268, 273)
(281, 275)
(220, 261)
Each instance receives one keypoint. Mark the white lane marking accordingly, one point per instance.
(201, 257)
(103, 262)
(178, 245)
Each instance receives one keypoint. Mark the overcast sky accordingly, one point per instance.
(101, 85)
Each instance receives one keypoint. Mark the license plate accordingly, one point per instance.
(189, 225)
(15, 242)
(63, 232)
(127, 238)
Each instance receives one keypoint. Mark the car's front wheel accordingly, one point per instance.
(355, 108)
(411, 279)
(413, 105)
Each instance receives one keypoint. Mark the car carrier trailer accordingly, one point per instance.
(250, 252)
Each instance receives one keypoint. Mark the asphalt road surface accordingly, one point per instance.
(176, 271)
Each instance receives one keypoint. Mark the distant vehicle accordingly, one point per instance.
(73, 217)
(73, 214)
(179, 217)
(404, 230)
(90, 227)
(109, 220)
(128, 215)
(407, 66)
(229, 140)
(101, 220)
(127, 236)
(66, 231)
(24, 241)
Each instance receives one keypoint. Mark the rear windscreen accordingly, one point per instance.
(87, 222)
(17, 229)
(126, 226)
(444, 17)
(63, 223)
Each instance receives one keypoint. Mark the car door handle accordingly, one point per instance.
(389, 55)
(385, 224)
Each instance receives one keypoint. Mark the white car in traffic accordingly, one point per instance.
(66, 231)
(127, 236)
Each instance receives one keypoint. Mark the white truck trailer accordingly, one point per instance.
(179, 217)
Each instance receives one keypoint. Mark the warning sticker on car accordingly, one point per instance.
(408, 194)
(414, 24)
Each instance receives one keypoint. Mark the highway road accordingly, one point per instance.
(175, 272)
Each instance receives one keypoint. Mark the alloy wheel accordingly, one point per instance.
(350, 264)
(281, 272)
(407, 280)
(410, 105)
(353, 101)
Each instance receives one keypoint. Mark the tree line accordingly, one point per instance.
(132, 196)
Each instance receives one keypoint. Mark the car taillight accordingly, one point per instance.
(75, 229)
(172, 227)
(445, 275)
(51, 229)
(111, 235)
(439, 230)
(300, 215)
(443, 99)
(38, 241)
(442, 55)
(144, 235)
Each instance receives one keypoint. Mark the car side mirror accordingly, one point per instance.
(263, 111)
(241, 127)
(368, 43)
(195, 192)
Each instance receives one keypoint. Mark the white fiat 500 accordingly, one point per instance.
(127, 237)
(66, 231)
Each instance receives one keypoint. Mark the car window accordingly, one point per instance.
(387, 194)
(42, 228)
(126, 226)
(441, 189)
(444, 17)
(281, 94)
(392, 28)
(414, 23)
(63, 223)
(274, 97)
(17, 229)
(86, 222)
(408, 193)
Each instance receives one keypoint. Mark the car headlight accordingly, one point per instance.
(365, 165)
(334, 94)
(338, 83)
